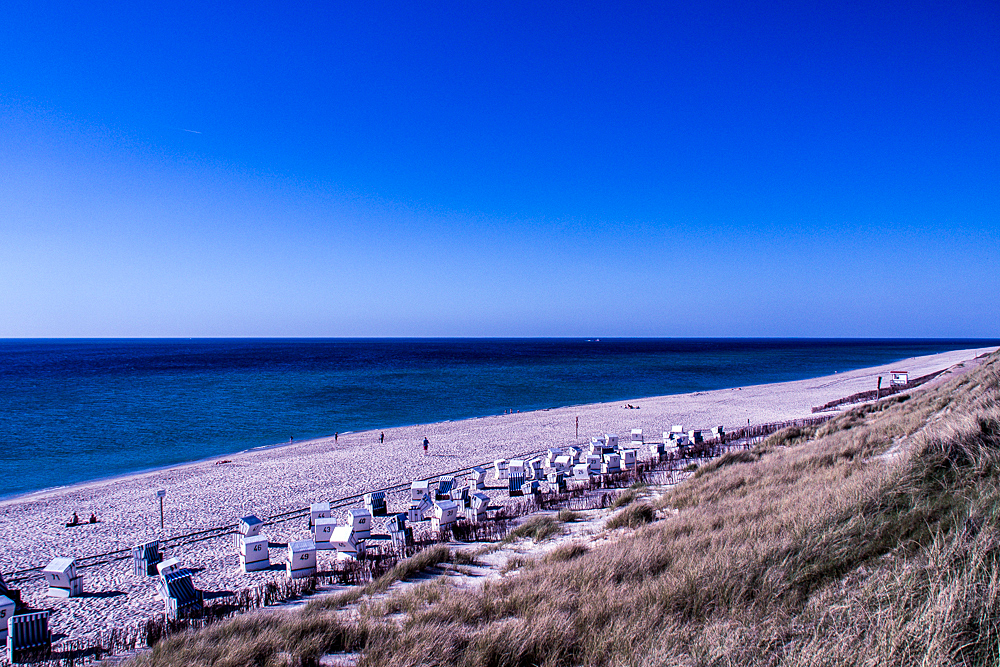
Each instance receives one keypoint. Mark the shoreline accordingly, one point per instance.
(128, 476)
(271, 481)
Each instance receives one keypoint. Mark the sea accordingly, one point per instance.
(79, 410)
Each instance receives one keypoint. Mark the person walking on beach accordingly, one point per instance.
(336, 435)
(426, 443)
(381, 438)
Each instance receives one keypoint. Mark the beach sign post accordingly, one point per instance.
(161, 494)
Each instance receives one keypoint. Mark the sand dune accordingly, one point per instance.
(271, 481)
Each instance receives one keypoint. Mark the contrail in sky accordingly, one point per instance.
(191, 131)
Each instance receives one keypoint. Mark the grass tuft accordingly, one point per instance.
(633, 516)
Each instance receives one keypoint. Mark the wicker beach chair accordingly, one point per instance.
(375, 503)
(145, 557)
(29, 639)
(445, 485)
(180, 598)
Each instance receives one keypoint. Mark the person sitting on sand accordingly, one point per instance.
(75, 521)
(93, 518)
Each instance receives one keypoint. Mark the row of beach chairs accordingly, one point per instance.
(442, 505)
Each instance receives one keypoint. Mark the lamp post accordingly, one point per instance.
(161, 494)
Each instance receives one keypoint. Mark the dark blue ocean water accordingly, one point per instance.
(76, 410)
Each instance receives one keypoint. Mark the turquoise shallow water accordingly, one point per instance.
(76, 410)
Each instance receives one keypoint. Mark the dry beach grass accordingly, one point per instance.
(872, 540)
(268, 482)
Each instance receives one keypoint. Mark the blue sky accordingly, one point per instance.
(535, 169)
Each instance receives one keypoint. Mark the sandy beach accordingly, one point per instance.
(272, 481)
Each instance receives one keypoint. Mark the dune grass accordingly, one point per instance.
(873, 539)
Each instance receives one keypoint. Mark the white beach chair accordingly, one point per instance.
(254, 556)
(418, 490)
(301, 559)
(63, 579)
(477, 478)
(7, 608)
(445, 513)
(360, 522)
(318, 511)
(323, 533)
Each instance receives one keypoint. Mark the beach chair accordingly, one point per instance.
(414, 514)
(424, 506)
(375, 503)
(180, 598)
(514, 484)
(445, 485)
(557, 481)
(478, 504)
(301, 559)
(254, 556)
(695, 437)
(581, 470)
(360, 522)
(396, 522)
(28, 637)
(418, 490)
(534, 469)
(400, 534)
(636, 438)
(444, 514)
(7, 609)
(323, 533)
(145, 557)
(11, 594)
(479, 501)
(500, 469)
(562, 463)
(247, 526)
(611, 441)
(167, 566)
(629, 459)
(477, 478)
(718, 433)
(611, 464)
(318, 511)
(347, 543)
(550, 456)
(594, 465)
(461, 496)
(63, 579)
(516, 467)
